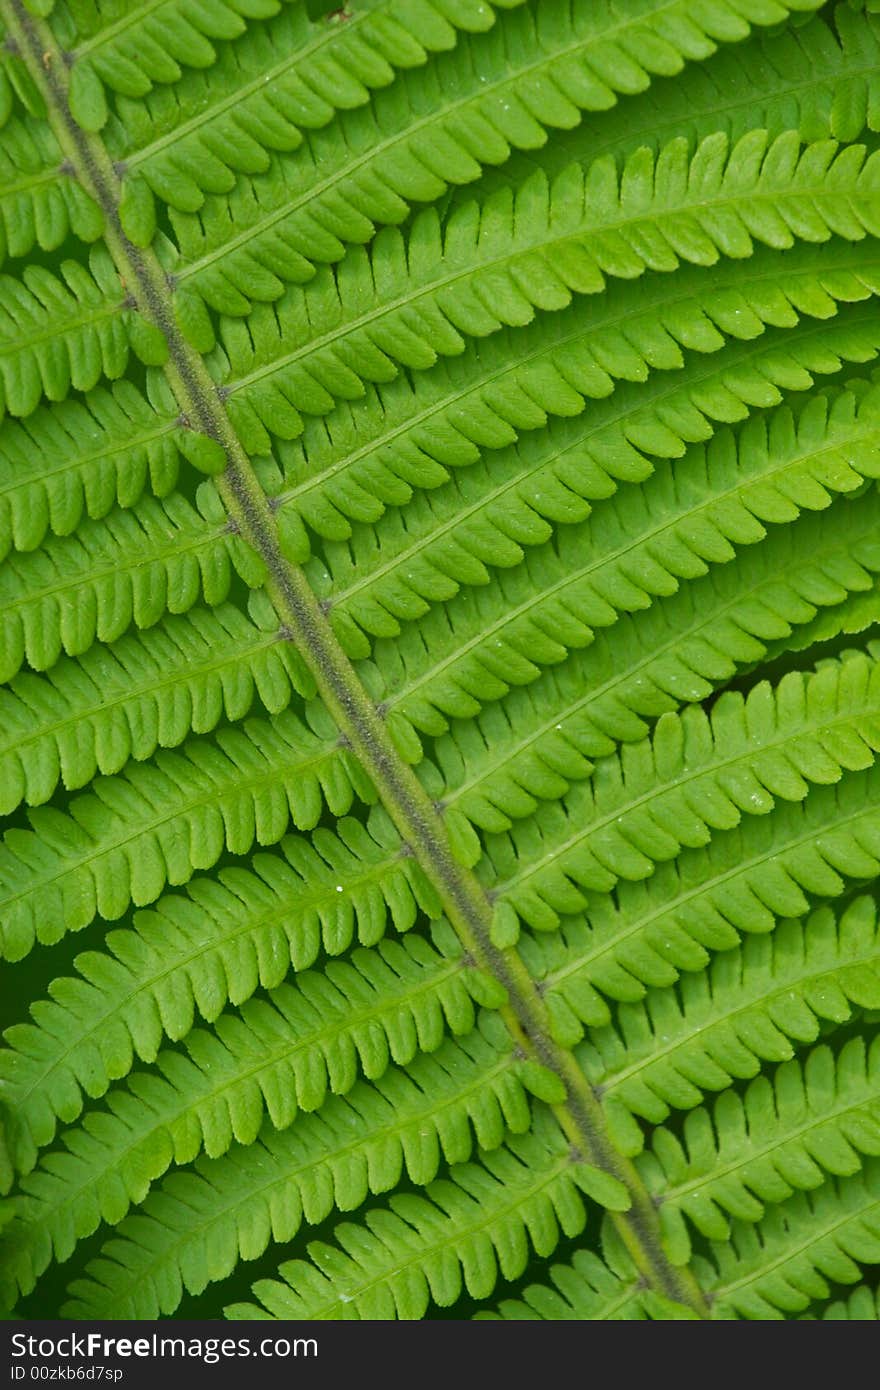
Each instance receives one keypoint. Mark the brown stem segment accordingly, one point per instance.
(420, 825)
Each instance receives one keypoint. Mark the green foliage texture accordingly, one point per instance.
(440, 645)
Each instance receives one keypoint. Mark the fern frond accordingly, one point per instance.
(589, 1289)
(425, 563)
(63, 332)
(671, 654)
(468, 1230)
(184, 144)
(861, 1305)
(276, 1057)
(157, 823)
(440, 623)
(188, 141)
(133, 567)
(708, 897)
(33, 625)
(425, 136)
(538, 741)
(818, 78)
(552, 747)
(673, 790)
(192, 955)
(479, 402)
(640, 544)
(239, 101)
(128, 51)
(585, 1289)
(39, 204)
(753, 1004)
(194, 1226)
(146, 691)
(536, 70)
(493, 264)
(799, 1251)
(785, 1134)
(82, 458)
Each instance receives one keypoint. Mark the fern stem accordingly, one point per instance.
(362, 724)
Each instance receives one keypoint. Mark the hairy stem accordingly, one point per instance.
(415, 816)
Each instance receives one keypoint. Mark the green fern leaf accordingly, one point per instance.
(784, 1135)
(469, 1228)
(780, 1273)
(277, 1057)
(439, 613)
(411, 1123)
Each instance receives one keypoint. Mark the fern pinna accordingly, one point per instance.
(439, 614)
